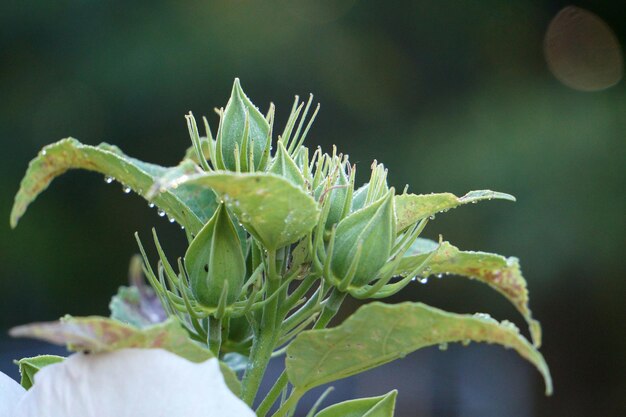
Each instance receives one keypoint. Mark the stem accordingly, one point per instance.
(272, 395)
(215, 335)
(291, 402)
(331, 307)
(265, 342)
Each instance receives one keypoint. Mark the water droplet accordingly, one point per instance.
(510, 326)
(182, 227)
(171, 219)
(432, 217)
(108, 179)
(151, 205)
(43, 152)
(160, 212)
(483, 316)
(126, 189)
(439, 276)
(474, 201)
(443, 346)
(423, 280)
(466, 342)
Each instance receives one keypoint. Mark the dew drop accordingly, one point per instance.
(423, 280)
(171, 219)
(439, 276)
(474, 201)
(126, 189)
(466, 342)
(151, 205)
(108, 179)
(43, 152)
(432, 217)
(160, 212)
(182, 227)
(443, 346)
(483, 316)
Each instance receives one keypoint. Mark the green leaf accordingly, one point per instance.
(190, 206)
(102, 334)
(271, 208)
(230, 377)
(500, 273)
(379, 333)
(382, 406)
(30, 366)
(239, 108)
(411, 208)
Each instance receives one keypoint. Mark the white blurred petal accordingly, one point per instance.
(10, 394)
(131, 383)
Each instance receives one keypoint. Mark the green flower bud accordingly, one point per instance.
(358, 200)
(366, 237)
(215, 260)
(285, 166)
(337, 196)
(234, 134)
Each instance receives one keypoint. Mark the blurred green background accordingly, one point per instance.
(450, 95)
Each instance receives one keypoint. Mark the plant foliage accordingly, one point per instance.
(278, 237)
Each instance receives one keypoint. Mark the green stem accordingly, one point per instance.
(291, 402)
(215, 335)
(272, 395)
(267, 334)
(331, 307)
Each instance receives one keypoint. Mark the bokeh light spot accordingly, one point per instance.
(582, 51)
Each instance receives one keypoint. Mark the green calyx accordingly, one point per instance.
(243, 131)
(364, 239)
(215, 262)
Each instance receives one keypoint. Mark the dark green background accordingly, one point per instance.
(450, 95)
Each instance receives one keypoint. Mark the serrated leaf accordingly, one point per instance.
(382, 406)
(190, 205)
(411, 208)
(30, 366)
(102, 334)
(271, 208)
(379, 333)
(500, 273)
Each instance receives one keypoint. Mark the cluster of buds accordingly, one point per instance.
(277, 240)
(283, 216)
